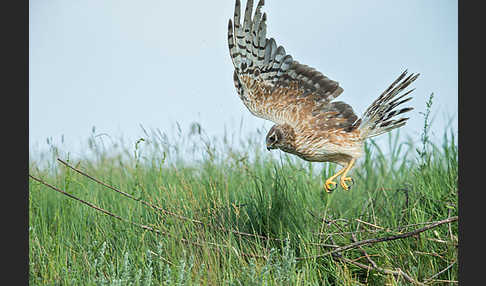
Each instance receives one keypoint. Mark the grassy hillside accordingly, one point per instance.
(236, 215)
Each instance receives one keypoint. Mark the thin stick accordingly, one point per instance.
(396, 273)
(164, 210)
(140, 225)
(370, 224)
(382, 239)
(92, 205)
(439, 273)
(354, 239)
(445, 281)
(375, 230)
(323, 244)
(128, 195)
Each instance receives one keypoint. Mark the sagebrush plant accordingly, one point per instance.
(236, 215)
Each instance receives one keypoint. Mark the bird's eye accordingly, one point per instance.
(273, 138)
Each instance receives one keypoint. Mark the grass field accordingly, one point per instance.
(236, 215)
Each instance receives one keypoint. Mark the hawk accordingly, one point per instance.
(299, 100)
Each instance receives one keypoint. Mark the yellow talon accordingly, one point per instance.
(343, 182)
(344, 178)
(329, 185)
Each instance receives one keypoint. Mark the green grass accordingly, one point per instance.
(237, 186)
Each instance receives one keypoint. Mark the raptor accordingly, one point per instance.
(300, 100)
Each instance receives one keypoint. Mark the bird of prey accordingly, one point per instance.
(299, 100)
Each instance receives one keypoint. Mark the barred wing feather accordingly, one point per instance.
(274, 86)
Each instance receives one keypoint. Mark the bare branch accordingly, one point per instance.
(184, 240)
(370, 224)
(167, 212)
(382, 239)
(396, 273)
(439, 273)
(92, 205)
(373, 263)
(128, 195)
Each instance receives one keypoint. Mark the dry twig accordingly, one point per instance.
(431, 278)
(383, 239)
(145, 227)
(167, 212)
(396, 273)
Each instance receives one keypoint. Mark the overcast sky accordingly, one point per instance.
(120, 64)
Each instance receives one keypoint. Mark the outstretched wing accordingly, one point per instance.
(274, 86)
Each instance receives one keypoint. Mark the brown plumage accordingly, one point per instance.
(299, 99)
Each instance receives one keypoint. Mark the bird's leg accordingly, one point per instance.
(330, 182)
(344, 178)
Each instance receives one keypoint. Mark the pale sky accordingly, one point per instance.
(120, 64)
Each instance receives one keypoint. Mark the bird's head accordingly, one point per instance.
(280, 137)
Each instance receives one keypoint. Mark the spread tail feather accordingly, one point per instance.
(379, 117)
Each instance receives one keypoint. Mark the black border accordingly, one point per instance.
(471, 127)
(15, 140)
